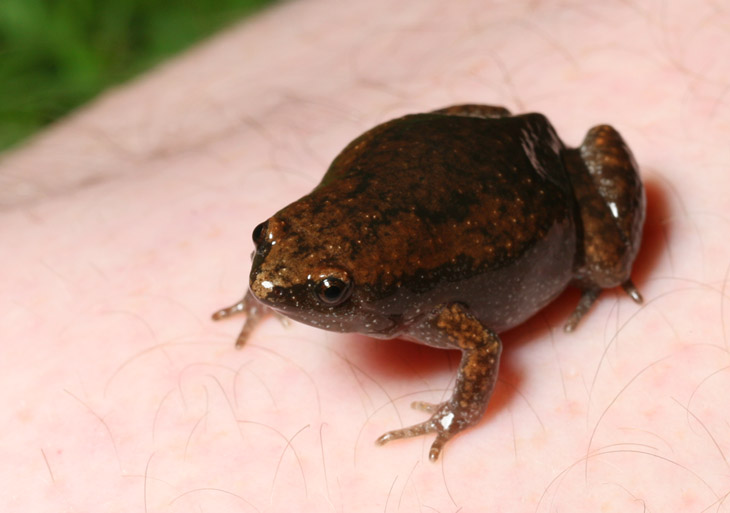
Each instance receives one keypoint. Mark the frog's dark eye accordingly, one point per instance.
(333, 291)
(260, 232)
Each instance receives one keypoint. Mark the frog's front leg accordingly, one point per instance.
(455, 326)
(250, 306)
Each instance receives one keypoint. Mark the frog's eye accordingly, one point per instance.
(260, 232)
(333, 291)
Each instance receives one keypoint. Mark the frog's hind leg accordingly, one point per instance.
(474, 110)
(611, 206)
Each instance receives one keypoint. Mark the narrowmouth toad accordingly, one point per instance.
(447, 228)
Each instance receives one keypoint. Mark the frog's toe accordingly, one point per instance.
(632, 291)
(229, 311)
(587, 298)
(437, 446)
(409, 432)
(283, 319)
(423, 406)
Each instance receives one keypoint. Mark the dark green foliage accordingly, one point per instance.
(57, 54)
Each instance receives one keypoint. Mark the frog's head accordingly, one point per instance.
(303, 268)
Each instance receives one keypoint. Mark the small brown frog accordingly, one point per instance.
(447, 228)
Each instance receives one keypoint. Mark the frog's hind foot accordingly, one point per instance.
(589, 296)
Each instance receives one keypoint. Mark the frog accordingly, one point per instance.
(448, 228)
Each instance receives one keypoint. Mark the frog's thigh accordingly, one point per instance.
(474, 111)
(611, 203)
(616, 177)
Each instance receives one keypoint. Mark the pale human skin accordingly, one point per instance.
(126, 226)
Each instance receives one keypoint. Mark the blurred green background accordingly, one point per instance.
(57, 54)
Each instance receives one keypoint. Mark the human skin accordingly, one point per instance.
(127, 225)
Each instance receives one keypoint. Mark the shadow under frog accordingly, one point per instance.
(447, 228)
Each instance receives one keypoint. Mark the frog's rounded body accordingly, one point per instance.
(447, 228)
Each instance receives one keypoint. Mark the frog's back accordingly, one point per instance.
(452, 168)
(428, 201)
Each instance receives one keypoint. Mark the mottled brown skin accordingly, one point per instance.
(447, 228)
